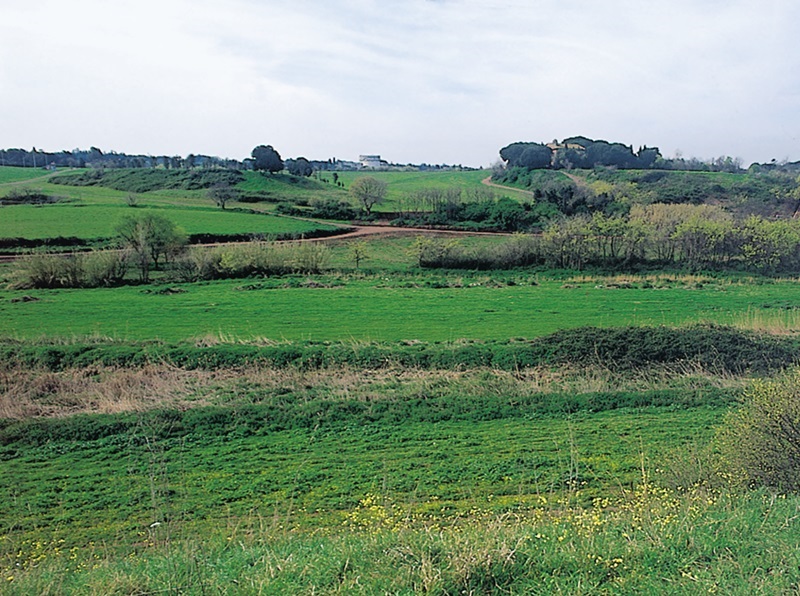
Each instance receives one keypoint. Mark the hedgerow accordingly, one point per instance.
(717, 347)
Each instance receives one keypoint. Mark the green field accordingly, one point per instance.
(12, 176)
(99, 221)
(313, 476)
(401, 307)
(146, 447)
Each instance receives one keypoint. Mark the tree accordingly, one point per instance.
(299, 167)
(358, 251)
(149, 237)
(368, 191)
(527, 155)
(221, 194)
(267, 159)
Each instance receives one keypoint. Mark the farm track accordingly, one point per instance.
(488, 182)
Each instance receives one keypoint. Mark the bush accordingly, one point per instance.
(761, 441)
(26, 196)
(332, 209)
(105, 268)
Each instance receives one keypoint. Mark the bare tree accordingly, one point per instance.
(368, 191)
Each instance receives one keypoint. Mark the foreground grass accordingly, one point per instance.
(197, 476)
(383, 308)
(650, 541)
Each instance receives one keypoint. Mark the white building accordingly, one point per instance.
(372, 161)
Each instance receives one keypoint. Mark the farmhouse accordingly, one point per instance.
(372, 161)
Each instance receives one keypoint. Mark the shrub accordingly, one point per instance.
(47, 271)
(761, 441)
(26, 196)
(105, 268)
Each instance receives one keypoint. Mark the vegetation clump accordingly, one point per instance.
(146, 180)
(27, 196)
(761, 440)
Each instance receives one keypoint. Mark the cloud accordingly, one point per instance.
(419, 80)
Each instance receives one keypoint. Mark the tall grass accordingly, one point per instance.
(777, 321)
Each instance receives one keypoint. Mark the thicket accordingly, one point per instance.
(690, 236)
(104, 268)
(145, 180)
(321, 208)
(628, 348)
(615, 192)
(79, 270)
(254, 258)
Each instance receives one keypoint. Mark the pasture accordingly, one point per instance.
(408, 306)
(143, 451)
(95, 222)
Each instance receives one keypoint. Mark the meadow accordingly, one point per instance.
(424, 307)
(377, 427)
(98, 222)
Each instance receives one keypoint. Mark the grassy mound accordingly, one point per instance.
(717, 347)
(145, 180)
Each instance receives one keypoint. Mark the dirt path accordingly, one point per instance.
(488, 182)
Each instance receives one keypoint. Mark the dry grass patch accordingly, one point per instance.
(774, 321)
(27, 393)
(36, 393)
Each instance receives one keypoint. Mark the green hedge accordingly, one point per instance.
(624, 348)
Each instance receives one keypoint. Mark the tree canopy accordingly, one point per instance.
(299, 167)
(578, 152)
(267, 159)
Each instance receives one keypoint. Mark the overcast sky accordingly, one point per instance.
(436, 81)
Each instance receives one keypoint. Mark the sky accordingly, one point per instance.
(415, 81)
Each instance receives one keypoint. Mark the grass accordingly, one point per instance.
(341, 480)
(13, 175)
(548, 503)
(102, 490)
(98, 222)
(34, 392)
(650, 543)
(379, 307)
(401, 184)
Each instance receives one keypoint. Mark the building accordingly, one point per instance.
(372, 162)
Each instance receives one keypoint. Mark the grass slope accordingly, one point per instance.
(12, 175)
(94, 222)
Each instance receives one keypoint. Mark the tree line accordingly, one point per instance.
(585, 153)
(687, 236)
(263, 157)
